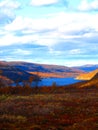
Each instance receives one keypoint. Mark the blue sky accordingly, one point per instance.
(63, 32)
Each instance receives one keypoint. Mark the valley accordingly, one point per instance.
(22, 71)
(55, 107)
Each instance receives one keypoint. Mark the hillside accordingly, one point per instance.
(12, 73)
(87, 76)
(92, 83)
(87, 68)
(46, 70)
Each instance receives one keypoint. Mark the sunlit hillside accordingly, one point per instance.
(56, 75)
(93, 83)
(87, 76)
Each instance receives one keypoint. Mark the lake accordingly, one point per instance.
(58, 81)
(50, 81)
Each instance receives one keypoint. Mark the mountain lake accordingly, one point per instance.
(58, 81)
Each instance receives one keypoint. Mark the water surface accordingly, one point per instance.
(58, 81)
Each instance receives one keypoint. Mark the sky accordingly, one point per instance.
(61, 32)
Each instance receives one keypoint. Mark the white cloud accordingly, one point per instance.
(86, 5)
(43, 2)
(66, 27)
(9, 4)
(7, 7)
(21, 52)
(79, 62)
(19, 23)
(40, 24)
(55, 52)
(74, 22)
(75, 51)
(11, 39)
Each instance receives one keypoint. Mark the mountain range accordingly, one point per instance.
(87, 68)
(21, 71)
(42, 69)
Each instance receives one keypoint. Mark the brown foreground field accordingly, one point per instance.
(71, 109)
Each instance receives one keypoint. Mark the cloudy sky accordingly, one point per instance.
(63, 32)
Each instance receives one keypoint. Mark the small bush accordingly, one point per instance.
(12, 118)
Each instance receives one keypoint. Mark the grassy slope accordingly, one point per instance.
(87, 76)
(92, 83)
(55, 108)
(72, 109)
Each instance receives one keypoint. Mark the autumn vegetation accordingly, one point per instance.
(48, 108)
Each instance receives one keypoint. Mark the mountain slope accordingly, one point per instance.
(12, 73)
(87, 76)
(93, 83)
(43, 69)
(87, 68)
(88, 84)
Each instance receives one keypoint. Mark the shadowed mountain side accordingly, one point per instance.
(13, 74)
(46, 70)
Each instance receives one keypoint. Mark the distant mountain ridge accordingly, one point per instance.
(42, 67)
(60, 71)
(20, 71)
(87, 68)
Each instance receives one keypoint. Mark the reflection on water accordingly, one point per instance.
(50, 81)
(58, 81)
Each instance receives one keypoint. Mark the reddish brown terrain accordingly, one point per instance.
(69, 110)
(71, 107)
